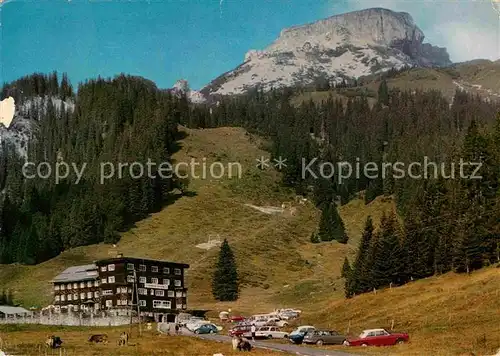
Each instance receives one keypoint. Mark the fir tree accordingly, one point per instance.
(331, 226)
(346, 269)
(360, 278)
(383, 93)
(225, 279)
(387, 254)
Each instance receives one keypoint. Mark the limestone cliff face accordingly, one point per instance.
(342, 46)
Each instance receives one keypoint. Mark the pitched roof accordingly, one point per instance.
(138, 260)
(78, 273)
(6, 309)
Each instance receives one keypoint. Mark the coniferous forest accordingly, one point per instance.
(441, 224)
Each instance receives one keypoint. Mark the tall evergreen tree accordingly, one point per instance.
(225, 284)
(331, 226)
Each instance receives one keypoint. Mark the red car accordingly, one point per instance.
(239, 330)
(236, 318)
(377, 337)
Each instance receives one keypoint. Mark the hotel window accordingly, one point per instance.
(96, 283)
(57, 298)
(56, 287)
(166, 282)
(89, 295)
(111, 267)
(129, 290)
(154, 280)
(104, 281)
(130, 279)
(177, 271)
(89, 284)
(82, 296)
(170, 293)
(178, 283)
(142, 279)
(178, 294)
(184, 294)
(160, 293)
(130, 266)
(68, 286)
(154, 269)
(109, 303)
(107, 292)
(103, 269)
(143, 291)
(63, 287)
(161, 304)
(142, 303)
(63, 298)
(75, 285)
(166, 270)
(142, 268)
(111, 279)
(82, 285)
(75, 296)
(152, 292)
(96, 294)
(70, 297)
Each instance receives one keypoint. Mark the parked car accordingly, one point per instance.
(324, 337)
(236, 318)
(194, 324)
(297, 336)
(378, 337)
(268, 332)
(206, 329)
(277, 322)
(241, 329)
(289, 315)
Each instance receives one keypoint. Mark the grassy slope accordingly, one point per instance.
(446, 315)
(274, 254)
(476, 77)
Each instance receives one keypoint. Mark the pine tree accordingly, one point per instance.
(387, 255)
(331, 226)
(360, 277)
(225, 284)
(383, 93)
(346, 269)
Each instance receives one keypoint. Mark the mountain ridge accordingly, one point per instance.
(343, 46)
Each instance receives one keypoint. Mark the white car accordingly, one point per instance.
(302, 329)
(268, 332)
(277, 322)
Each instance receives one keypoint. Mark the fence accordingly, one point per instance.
(71, 318)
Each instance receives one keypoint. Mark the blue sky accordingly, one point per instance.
(165, 40)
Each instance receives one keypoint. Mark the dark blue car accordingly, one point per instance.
(207, 329)
(297, 336)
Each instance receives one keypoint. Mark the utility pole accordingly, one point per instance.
(131, 306)
(138, 304)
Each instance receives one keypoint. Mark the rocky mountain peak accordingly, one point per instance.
(339, 47)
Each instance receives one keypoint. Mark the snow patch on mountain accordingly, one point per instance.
(7, 109)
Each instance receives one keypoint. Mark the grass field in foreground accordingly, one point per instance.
(28, 341)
